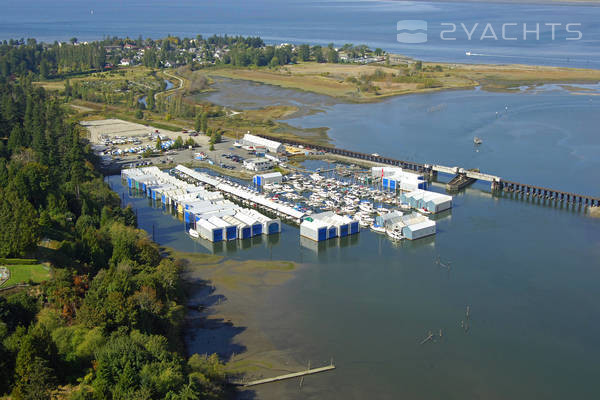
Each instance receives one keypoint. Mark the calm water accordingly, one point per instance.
(296, 21)
(528, 272)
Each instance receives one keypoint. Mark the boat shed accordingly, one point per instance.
(272, 177)
(435, 202)
(388, 219)
(208, 231)
(229, 229)
(244, 231)
(315, 230)
(251, 221)
(270, 225)
(419, 230)
(256, 141)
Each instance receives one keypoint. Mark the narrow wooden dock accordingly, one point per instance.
(288, 376)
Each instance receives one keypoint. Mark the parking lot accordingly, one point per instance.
(121, 143)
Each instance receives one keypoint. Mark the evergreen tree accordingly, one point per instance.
(17, 138)
(19, 230)
(198, 122)
(204, 122)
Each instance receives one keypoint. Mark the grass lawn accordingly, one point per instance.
(23, 273)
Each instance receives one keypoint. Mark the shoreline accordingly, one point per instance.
(224, 297)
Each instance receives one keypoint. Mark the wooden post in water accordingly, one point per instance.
(427, 339)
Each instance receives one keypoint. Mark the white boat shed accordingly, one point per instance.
(270, 145)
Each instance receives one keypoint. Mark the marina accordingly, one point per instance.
(217, 209)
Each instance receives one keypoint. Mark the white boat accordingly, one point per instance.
(364, 223)
(404, 206)
(237, 144)
(468, 53)
(316, 177)
(366, 207)
(477, 140)
(394, 234)
(378, 229)
(194, 233)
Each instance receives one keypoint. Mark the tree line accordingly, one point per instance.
(60, 60)
(108, 323)
(44, 61)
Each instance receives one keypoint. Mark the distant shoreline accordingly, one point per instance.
(545, 2)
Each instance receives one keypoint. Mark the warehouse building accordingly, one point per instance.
(256, 141)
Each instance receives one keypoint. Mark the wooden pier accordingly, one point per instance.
(287, 376)
(498, 185)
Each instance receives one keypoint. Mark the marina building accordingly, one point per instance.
(393, 178)
(256, 141)
(258, 164)
(263, 179)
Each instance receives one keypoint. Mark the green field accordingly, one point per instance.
(23, 273)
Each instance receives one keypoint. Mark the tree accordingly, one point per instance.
(198, 122)
(17, 138)
(150, 104)
(158, 144)
(204, 122)
(304, 52)
(190, 142)
(318, 54)
(418, 65)
(19, 225)
(378, 51)
(35, 380)
(332, 55)
(35, 366)
(68, 89)
(178, 143)
(139, 114)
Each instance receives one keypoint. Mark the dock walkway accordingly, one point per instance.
(287, 376)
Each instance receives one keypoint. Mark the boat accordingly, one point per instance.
(477, 140)
(468, 53)
(363, 223)
(394, 234)
(378, 229)
(194, 233)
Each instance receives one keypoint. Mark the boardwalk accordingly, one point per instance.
(288, 376)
